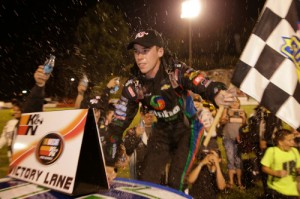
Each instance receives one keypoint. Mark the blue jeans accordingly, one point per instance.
(234, 160)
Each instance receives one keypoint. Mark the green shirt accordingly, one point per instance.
(277, 159)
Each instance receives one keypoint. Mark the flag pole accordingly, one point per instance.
(213, 126)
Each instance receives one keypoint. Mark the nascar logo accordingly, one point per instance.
(49, 149)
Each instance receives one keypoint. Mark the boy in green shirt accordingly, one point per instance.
(282, 164)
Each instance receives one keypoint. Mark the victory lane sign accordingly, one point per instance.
(60, 150)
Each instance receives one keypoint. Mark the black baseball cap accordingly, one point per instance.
(147, 38)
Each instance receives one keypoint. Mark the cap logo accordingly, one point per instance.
(94, 101)
(141, 34)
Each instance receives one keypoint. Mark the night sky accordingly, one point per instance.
(32, 29)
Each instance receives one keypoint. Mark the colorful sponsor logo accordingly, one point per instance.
(141, 34)
(157, 102)
(291, 49)
(121, 107)
(113, 139)
(193, 75)
(198, 79)
(29, 124)
(165, 87)
(201, 79)
(120, 113)
(49, 149)
(131, 92)
(123, 100)
(168, 115)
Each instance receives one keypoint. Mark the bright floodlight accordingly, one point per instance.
(190, 8)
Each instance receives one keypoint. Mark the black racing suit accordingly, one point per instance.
(169, 141)
(35, 100)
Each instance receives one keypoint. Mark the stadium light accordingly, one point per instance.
(189, 10)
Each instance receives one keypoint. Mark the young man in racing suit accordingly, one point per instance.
(161, 92)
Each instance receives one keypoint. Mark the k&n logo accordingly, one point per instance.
(29, 124)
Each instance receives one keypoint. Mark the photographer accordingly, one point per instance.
(207, 178)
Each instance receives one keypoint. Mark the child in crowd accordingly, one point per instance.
(282, 164)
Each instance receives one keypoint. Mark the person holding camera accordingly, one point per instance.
(206, 178)
(233, 118)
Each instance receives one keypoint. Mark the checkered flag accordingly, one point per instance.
(269, 67)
